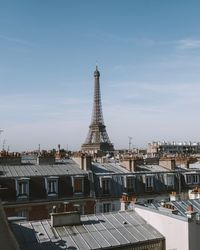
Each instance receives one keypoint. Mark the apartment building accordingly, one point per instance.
(32, 190)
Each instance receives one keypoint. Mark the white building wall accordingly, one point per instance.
(174, 230)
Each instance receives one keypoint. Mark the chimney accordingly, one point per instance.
(65, 219)
(174, 196)
(125, 201)
(10, 159)
(45, 160)
(191, 214)
(183, 161)
(167, 207)
(65, 205)
(87, 162)
(84, 161)
(190, 208)
(168, 163)
(54, 210)
(130, 164)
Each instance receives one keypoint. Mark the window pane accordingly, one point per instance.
(78, 185)
(106, 186)
(130, 184)
(22, 188)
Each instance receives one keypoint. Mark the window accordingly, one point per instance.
(149, 182)
(22, 187)
(23, 213)
(189, 179)
(106, 207)
(106, 186)
(52, 186)
(78, 185)
(170, 180)
(195, 179)
(149, 201)
(192, 179)
(130, 184)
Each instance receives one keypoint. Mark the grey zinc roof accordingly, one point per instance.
(182, 206)
(152, 168)
(69, 168)
(95, 232)
(103, 168)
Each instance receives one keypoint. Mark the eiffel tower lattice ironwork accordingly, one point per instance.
(97, 139)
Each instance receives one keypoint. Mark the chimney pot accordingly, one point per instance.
(190, 208)
(65, 204)
(54, 209)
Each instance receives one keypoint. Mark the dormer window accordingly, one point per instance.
(106, 185)
(78, 184)
(22, 188)
(189, 179)
(51, 185)
(129, 184)
(170, 180)
(195, 179)
(192, 179)
(149, 182)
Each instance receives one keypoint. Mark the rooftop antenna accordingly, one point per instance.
(4, 143)
(1, 131)
(129, 143)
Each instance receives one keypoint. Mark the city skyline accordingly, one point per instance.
(148, 54)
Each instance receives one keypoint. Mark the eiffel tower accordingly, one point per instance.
(97, 139)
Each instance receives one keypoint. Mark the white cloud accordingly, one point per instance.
(16, 40)
(189, 43)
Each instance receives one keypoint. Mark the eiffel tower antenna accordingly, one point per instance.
(97, 139)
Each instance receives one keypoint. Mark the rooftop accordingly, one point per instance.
(68, 168)
(96, 232)
(180, 206)
(152, 168)
(110, 168)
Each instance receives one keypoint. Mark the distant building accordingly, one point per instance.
(160, 148)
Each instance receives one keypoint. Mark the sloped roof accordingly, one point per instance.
(69, 168)
(111, 168)
(96, 232)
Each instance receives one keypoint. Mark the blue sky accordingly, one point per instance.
(148, 54)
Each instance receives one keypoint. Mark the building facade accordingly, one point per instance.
(32, 191)
(160, 148)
